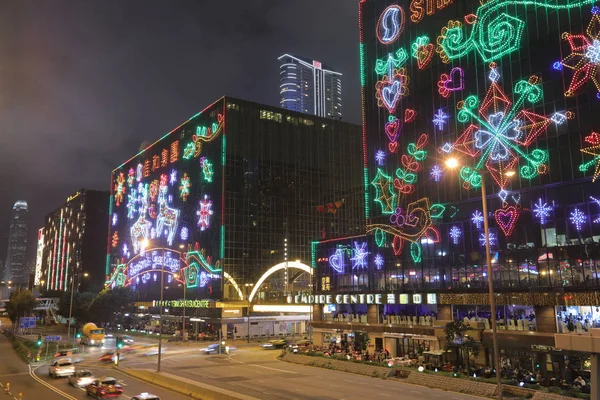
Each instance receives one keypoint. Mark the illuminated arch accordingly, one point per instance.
(275, 268)
(234, 283)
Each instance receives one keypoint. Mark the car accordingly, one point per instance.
(217, 348)
(61, 368)
(275, 344)
(63, 353)
(104, 387)
(127, 339)
(110, 357)
(81, 378)
(145, 396)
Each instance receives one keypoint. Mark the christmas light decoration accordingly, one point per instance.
(204, 213)
(436, 173)
(455, 233)
(595, 200)
(385, 195)
(411, 163)
(501, 134)
(392, 131)
(207, 169)
(557, 65)
(453, 82)
(120, 188)
(390, 24)
(541, 210)
(379, 261)
(184, 234)
(577, 218)
(379, 238)
(359, 256)
(164, 157)
(125, 250)
(131, 206)
(167, 217)
(130, 177)
(155, 163)
(594, 150)
(146, 168)
(477, 219)
(440, 119)
(115, 239)
(584, 59)
(115, 219)
(336, 260)
(416, 252)
(495, 33)
(494, 75)
(188, 151)
(380, 157)
(506, 218)
(491, 237)
(174, 154)
(139, 172)
(423, 51)
(399, 217)
(184, 187)
(390, 91)
(173, 178)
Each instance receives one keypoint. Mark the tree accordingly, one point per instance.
(111, 301)
(81, 306)
(457, 339)
(20, 304)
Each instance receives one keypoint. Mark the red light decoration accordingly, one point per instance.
(453, 82)
(409, 115)
(164, 157)
(390, 24)
(146, 168)
(164, 180)
(155, 163)
(130, 177)
(424, 55)
(389, 92)
(115, 239)
(506, 218)
(398, 245)
(174, 156)
(153, 190)
(120, 189)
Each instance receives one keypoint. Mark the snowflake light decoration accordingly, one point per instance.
(115, 219)
(500, 133)
(436, 173)
(595, 200)
(379, 261)
(173, 177)
(584, 59)
(492, 238)
(380, 157)
(125, 249)
(131, 204)
(184, 187)
(477, 219)
(541, 210)
(359, 257)
(204, 213)
(577, 218)
(455, 234)
(184, 234)
(440, 119)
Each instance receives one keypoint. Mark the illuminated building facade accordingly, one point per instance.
(15, 267)
(214, 200)
(72, 243)
(506, 90)
(310, 87)
(39, 255)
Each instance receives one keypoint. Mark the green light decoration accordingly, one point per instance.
(118, 277)
(420, 41)
(207, 169)
(361, 52)
(313, 254)
(379, 237)
(495, 33)
(188, 151)
(416, 252)
(385, 193)
(437, 210)
(366, 179)
(389, 63)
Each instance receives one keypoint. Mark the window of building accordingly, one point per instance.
(270, 115)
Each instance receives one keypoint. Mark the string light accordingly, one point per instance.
(385, 195)
(184, 187)
(390, 24)
(541, 211)
(594, 151)
(379, 238)
(440, 119)
(188, 151)
(436, 173)
(146, 168)
(120, 189)
(359, 257)
(506, 218)
(155, 162)
(204, 213)
(416, 252)
(173, 177)
(380, 157)
(455, 233)
(477, 219)
(336, 260)
(115, 239)
(491, 237)
(167, 217)
(379, 261)
(423, 51)
(577, 218)
(184, 234)
(174, 155)
(130, 177)
(164, 157)
(115, 219)
(453, 82)
(139, 172)
(390, 91)
(207, 169)
(595, 200)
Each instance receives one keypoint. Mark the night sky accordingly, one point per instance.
(84, 83)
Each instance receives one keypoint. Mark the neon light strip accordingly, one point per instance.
(364, 113)
(51, 274)
(110, 213)
(59, 253)
(62, 260)
(67, 266)
(223, 159)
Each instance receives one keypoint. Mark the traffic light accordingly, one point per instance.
(78, 336)
(39, 341)
(119, 342)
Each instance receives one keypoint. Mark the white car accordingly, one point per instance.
(127, 339)
(61, 368)
(82, 378)
(145, 396)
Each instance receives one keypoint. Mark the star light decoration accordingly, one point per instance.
(184, 188)
(385, 194)
(204, 213)
(500, 132)
(477, 219)
(379, 261)
(594, 150)
(440, 119)
(173, 177)
(380, 157)
(584, 59)
(577, 218)
(115, 219)
(492, 238)
(541, 210)
(436, 173)
(455, 234)
(359, 257)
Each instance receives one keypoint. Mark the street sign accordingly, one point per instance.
(55, 338)
(27, 322)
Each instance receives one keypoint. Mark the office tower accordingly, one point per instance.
(15, 268)
(310, 87)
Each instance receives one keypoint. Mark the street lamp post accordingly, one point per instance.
(453, 163)
(71, 307)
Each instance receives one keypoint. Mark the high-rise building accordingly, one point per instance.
(15, 267)
(39, 255)
(234, 191)
(308, 86)
(74, 243)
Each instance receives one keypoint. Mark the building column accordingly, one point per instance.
(317, 312)
(444, 312)
(545, 318)
(595, 378)
(372, 314)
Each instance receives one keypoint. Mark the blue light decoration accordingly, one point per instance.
(492, 237)
(139, 171)
(557, 65)
(336, 260)
(595, 200)
(455, 233)
(380, 157)
(115, 219)
(184, 234)
(379, 261)
(167, 218)
(173, 179)
(541, 210)
(131, 200)
(503, 194)
(577, 218)
(477, 219)
(440, 119)
(125, 250)
(436, 173)
(204, 213)
(559, 118)
(494, 75)
(390, 24)
(593, 52)
(359, 258)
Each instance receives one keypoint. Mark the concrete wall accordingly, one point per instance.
(545, 317)
(372, 314)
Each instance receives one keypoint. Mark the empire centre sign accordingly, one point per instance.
(364, 298)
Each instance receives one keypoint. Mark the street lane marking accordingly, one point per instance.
(49, 386)
(384, 395)
(334, 385)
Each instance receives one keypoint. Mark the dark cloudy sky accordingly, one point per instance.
(83, 83)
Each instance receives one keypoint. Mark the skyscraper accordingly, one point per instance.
(15, 268)
(310, 87)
